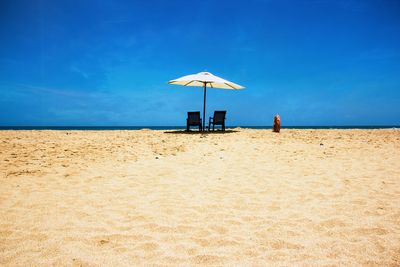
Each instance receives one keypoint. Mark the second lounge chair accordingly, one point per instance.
(218, 119)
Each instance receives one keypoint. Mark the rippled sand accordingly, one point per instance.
(247, 197)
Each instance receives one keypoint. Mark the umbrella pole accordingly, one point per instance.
(204, 106)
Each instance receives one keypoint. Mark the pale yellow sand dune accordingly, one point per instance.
(249, 198)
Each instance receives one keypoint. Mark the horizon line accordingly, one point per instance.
(183, 126)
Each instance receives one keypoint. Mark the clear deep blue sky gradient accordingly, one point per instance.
(315, 62)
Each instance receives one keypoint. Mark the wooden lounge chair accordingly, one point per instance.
(194, 119)
(218, 119)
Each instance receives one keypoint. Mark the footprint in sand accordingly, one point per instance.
(332, 223)
(372, 231)
(207, 259)
(281, 244)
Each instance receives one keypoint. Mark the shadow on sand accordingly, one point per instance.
(198, 132)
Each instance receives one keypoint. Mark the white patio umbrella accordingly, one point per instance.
(206, 79)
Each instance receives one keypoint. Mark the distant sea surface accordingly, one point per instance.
(108, 128)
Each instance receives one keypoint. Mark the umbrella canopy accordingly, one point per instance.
(205, 79)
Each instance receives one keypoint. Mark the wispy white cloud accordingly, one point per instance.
(75, 69)
(50, 90)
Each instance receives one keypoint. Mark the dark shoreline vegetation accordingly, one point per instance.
(107, 128)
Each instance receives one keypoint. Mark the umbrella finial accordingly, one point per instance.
(204, 73)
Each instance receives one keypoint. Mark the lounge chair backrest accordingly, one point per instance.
(194, 117)
(219, 116)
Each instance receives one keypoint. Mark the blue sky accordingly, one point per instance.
(314, 62)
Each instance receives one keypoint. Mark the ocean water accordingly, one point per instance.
(108, 128)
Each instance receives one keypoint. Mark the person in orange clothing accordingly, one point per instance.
(277, 123)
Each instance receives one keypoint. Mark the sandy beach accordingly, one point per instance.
(246, 197)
